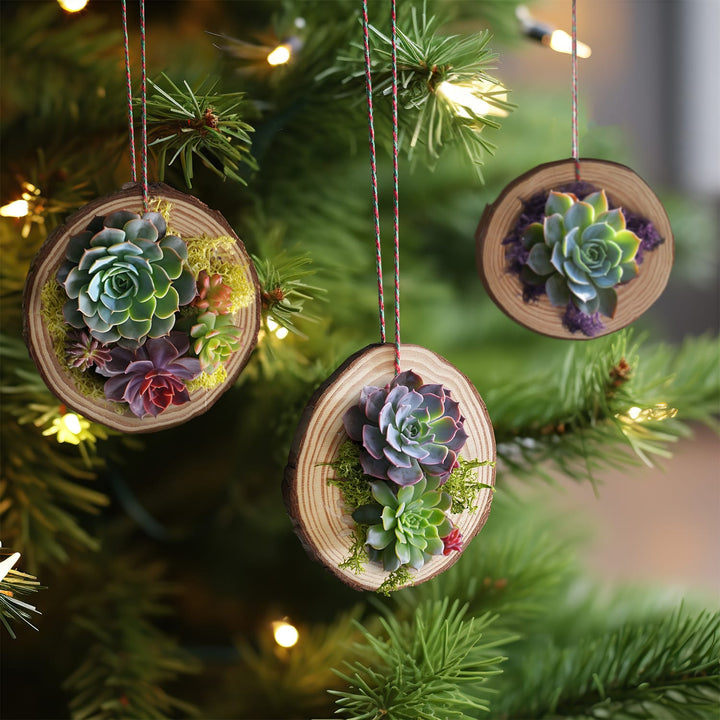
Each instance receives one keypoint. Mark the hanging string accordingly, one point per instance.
(373, 173)
(373, 170)
(143, 103)
(396, 196)
(575, 144)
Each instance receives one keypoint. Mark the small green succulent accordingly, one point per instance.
(580, 252)
(407, 528)
(216, 339)
(125, 278)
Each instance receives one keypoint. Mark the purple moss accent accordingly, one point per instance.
(647, 232)
(576, 321)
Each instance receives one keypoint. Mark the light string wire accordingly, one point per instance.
(143, 103)
(574, 62)
(373, 174)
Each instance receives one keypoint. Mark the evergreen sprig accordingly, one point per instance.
(432, 118)
(185, 123)
(661, 669)
(578, 416)
(420, 668)
(284, 290)
(14, 586)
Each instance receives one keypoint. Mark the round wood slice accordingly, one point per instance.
(189, 218)
(626, 190)
(316, 509)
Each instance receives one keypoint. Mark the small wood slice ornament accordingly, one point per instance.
(501, 220)
(201, 257)
(317, 509)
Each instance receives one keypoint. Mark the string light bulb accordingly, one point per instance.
(657, 412)
(7, 564)
(279, 331)
(285, 634)
(557, 40)
(467, 98)
(282, 54)
(15, 209)
(72, 6)
(69, 428)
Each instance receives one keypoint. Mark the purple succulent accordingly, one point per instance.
(83, 351)
(150, 378)
(407, 430)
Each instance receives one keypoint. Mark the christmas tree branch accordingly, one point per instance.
(421, 668)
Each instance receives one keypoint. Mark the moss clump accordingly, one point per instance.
(350, 479)
(211, 255)
(162, 206)
(394, 581)
(463, 485)
(206, 381)
(358, 554)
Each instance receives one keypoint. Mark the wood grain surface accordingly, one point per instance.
(316, 509)
(188, 217)
(626, 190)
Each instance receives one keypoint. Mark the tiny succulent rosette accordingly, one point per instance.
(126, 279)
(406, 528)
(407, 430)
(216, 339)
(151, 378)
(213, 294)
(580, 252)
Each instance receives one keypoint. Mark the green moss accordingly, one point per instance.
(358, 554)
(395, 580)
(349, 477)
(463, 485)
(212, 255)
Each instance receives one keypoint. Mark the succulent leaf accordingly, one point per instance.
(216, 339)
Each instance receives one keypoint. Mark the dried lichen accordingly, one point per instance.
(212, 255)
(394, 581)
(463, 485)
(349, 477)
(358, 556)
(164, 207)
(206, 381)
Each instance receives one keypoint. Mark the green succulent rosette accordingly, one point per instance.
(406, 528)
(580, 252)
(216, 339)
(126, 278)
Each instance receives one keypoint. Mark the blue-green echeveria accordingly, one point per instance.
(125, 278)
(408, 527)
(580, 252)
(407, 430)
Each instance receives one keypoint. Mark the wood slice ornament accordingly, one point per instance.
(316, 508)
(625, 190)
(211, 244)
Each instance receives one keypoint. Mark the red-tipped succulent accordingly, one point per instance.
(212, 294)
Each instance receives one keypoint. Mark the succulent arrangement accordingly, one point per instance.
(130, 290)
(404, 444)
(577, 252)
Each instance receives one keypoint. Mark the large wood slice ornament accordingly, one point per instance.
(390, 477)
(575, 259)
(140, 321)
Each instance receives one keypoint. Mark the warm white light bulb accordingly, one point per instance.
(281, 333)
(272, 325)
(16, 209)
(466, 99)
(7, 564)
(634, 413)
(561, 42)
(72, 423)
(279, 56)
(286, 635)
(72, 5)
